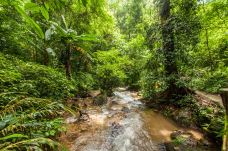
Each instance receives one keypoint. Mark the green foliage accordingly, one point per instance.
(211, 119)
(179, 140)
(35, 80)
(152, 85)
(84, 83)
(210, 81)
(137, 52)
(26, 123)
(109, 69)
(186, 101)
(69, 34)
(214, 126)
(34, 25)
(153, 81)
(27, 120)
(209, 57)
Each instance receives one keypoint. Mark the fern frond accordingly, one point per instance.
(31, 142)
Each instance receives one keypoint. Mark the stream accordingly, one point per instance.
(124, 124)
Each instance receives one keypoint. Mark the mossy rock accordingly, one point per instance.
(184, 141)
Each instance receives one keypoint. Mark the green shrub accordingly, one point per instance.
(179, 140)
(29, 108)
(29, 123)
(211, 81)
(186, 101)
(211, 121)
(152, 84)
(84, 83)
(36, 80)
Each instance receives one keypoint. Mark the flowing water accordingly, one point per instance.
(124, 124)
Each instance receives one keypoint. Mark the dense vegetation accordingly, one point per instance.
(53, 50)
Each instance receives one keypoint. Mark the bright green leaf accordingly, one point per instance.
(13, 136)
(32, 7)
(29, 20)
(44, 13)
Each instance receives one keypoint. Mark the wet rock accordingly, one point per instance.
(94, 93)
(205, 142)
(184, 138)
(83, 115)
(115, 129)
(70, 120)
(161, 147)
(183, 117)
(175, 134)
(114, 102)
(125, 109)
(100, 99)
(121, 89)
(151, 104)
(84, 129)
(184, 141)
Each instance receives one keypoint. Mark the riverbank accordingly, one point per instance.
(195, 112)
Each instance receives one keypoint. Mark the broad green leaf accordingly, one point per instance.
(86, 37)
(28, 19)
(44, 13)
(32, 7)
(46, 5)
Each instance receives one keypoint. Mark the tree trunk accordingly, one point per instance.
(168, 39)
(46, 55)
(224, 95)
(169, 52)
(68, 62)
(46, 58)
(207, 42)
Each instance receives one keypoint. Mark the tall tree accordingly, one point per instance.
(170, 52)
(168, 48)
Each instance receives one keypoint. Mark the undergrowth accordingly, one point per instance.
(33, 79)
(31, 105)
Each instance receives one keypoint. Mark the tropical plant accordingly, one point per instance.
(29, 123)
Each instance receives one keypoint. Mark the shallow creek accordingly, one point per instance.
(124, 124)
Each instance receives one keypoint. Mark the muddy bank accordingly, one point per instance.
(196, 113)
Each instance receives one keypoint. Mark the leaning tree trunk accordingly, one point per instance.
(68, 62)
(169, 52)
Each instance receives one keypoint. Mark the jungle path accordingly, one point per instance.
(123, 124)
(210, 97)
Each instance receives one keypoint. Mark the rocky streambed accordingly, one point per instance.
(125, 124)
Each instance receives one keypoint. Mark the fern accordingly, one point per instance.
(30, 144)
(27, 122)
